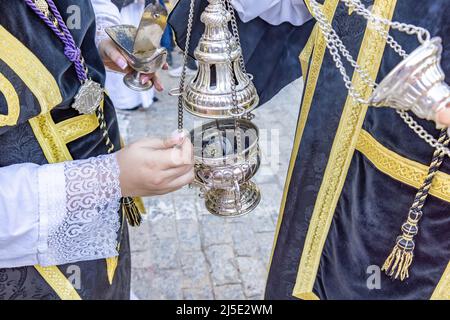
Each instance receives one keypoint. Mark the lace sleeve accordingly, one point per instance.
(78, 206)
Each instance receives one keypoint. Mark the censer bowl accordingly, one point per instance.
(227, 156)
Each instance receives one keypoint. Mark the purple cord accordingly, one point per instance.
(71, 51)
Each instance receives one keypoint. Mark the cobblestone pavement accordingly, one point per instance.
(183, 252)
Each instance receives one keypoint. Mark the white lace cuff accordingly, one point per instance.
(79, 210)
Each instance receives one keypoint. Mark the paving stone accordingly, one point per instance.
(265, 241)
(195, 270)
(215, 231)
(142, 259)
(204, 293)
(155, 284)
(166, 258)
(244, 240)
(188, 235)
(163, 229)
(185, 208)
(251, 271)
(229, 292)
(159, 207)
(223, 267)
(140, 237)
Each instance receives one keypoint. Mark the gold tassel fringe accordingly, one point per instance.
(398, 263)
(131, 211)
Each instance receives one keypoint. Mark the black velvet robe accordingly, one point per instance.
(18, 142)
(353, 173)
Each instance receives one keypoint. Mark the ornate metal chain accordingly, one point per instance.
(335, 45)
(423, 35)
(237, 112)
(185, 59)
(235, 31)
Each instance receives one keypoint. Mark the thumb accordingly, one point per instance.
(174, 140)
(177, 138)
(443, 117)
(114, 55)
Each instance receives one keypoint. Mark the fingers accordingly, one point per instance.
(443, 117)
(165, 66)
(173, 173)
(154, 78)
(158, 85)
(110, 51)
(182, 180)
(162, 144)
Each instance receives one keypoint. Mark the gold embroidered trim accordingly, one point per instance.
(111, 266)
(306, 53)
(56, 279)
(442, 290)
(369, 57)
(12, 103)
(400, 168)
(47, 134)
(77, 127)
(317, 42)
(308, 296)
(30, 70)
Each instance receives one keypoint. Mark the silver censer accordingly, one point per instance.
(226, 150)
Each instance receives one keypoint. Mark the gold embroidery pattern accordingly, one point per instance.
(442, 291)
(52, 144)
(111, 266)
(317, 39)
(307, 51)
(400, 168)
(58, 282)
(30, 70)
(74, 128)
(370, 56)
(12, 103)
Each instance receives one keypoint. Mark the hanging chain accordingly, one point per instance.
(235, 31)
(422, 133)
(423, 35)
(335, 45)
(181, 88)
(237, 112)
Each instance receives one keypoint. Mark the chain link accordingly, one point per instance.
(336, 48)
(422, 133)
(184, 70)
(237, 112)
(235, 31)
(422, 34)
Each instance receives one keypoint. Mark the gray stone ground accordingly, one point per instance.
(183, 252)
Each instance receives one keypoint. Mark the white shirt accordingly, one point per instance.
(49, 213)
(274, 12)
